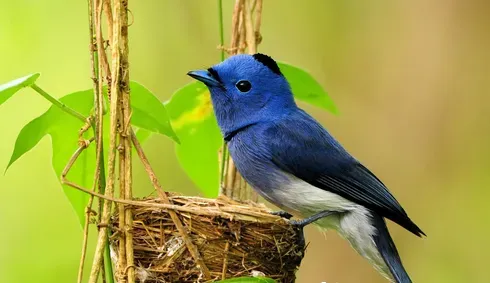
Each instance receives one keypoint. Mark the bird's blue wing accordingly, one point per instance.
(301, 146)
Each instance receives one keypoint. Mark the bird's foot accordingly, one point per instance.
(303, 222)
(282, 214)
(300, 224)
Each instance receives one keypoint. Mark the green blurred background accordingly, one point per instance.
(411, 80)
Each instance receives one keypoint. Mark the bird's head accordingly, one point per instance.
(245, 90)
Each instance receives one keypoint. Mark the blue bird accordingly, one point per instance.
(294, 163)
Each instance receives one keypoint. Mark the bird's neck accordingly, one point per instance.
(228, 135)
(232, 129)
(239, 115)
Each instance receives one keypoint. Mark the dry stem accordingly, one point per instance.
(108, 16)
(109, 191)
(225, 261)
(229, 167)
(74, 158)
(241, 30)
(234, 24)
(243, 35)
(124, 177)
(258, 21)
(92, 44)
(249, 29)
(125, 156)
(88, 209)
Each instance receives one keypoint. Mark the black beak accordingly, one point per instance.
(206, 77)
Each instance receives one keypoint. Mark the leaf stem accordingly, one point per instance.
(58, 103)
(221, 30)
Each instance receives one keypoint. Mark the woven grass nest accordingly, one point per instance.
(234, 239)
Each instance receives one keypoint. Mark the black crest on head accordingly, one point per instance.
(268, 62)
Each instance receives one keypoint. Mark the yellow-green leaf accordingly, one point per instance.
(192, 117)
(10, 88)
(306, 88)
(149, 113)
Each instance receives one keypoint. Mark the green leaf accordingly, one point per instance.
(63, 130)
(248, 280)
(149, 113)
(192, 117)
(10, 88)
(306, 88)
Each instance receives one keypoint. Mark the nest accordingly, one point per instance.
(234, 239)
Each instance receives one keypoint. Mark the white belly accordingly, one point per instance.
(353, 222)
(302, 199)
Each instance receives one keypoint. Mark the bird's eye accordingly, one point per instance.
(243, 86)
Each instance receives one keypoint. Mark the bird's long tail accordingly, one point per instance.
(388, 251)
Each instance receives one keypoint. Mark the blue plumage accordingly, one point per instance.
(294, 163)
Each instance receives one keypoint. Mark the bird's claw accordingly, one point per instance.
(282, 214)
(313, 218)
